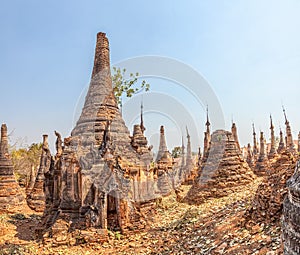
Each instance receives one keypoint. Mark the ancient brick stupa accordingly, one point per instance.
(291, 215)
(289, 137)
(281, 146)
(164, 163)
(223, 172)
(272, 153)
(255, 149)
(36, 197)
(262, 166)
(11, 195)
(189, 169)
(100, 175)
(250, 157)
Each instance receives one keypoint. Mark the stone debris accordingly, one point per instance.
(267, 203)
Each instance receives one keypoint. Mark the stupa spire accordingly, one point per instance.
(272, 151)
(142, 120)
(289, 137)
(255, 149)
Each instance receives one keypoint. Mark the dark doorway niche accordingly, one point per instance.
(112, 212)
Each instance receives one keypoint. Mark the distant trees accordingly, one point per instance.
(25, 160)
(176, 152)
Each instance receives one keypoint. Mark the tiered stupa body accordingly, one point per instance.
(289, 137)
(164, 163)
(36, 198)
(250, 159)
(262, 163)
(272, 152)
(11, 196)
(281, 146)
(223, 172)
(189, 168)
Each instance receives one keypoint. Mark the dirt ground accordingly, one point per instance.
(214, 227)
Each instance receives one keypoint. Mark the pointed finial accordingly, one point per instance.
(253, 129)
(286, 120)
(142, 120)
(162, 129)
(271, 121)
(207, 119)
(187, 132)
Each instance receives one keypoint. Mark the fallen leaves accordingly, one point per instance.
(214, 227)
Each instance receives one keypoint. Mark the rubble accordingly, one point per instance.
(291, 219)
(267, 203)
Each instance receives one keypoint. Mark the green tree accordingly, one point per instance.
(24, 160)
(176, 152)
(126, 86)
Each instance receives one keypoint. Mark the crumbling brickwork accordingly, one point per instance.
(11, 196)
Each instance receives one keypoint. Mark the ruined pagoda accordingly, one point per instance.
(255, 149)
(11, 196)
(207, 136)
(281, 146)
(262, 163)
(164, 166)
(289, 138)
(94, 180)
(139, 141)
(189, 168)
(249, 158)
(235, 135)
(272, 153)
(223, 172)
(36, 198)
(163, 149)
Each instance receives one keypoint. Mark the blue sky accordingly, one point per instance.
(248, 51)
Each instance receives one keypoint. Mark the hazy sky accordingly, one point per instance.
(248, 51)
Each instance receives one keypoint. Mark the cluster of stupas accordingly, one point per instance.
(101, 177)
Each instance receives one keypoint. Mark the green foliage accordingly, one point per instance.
(176, 152)
(24, 159)
(126, 86)
(118, 235)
